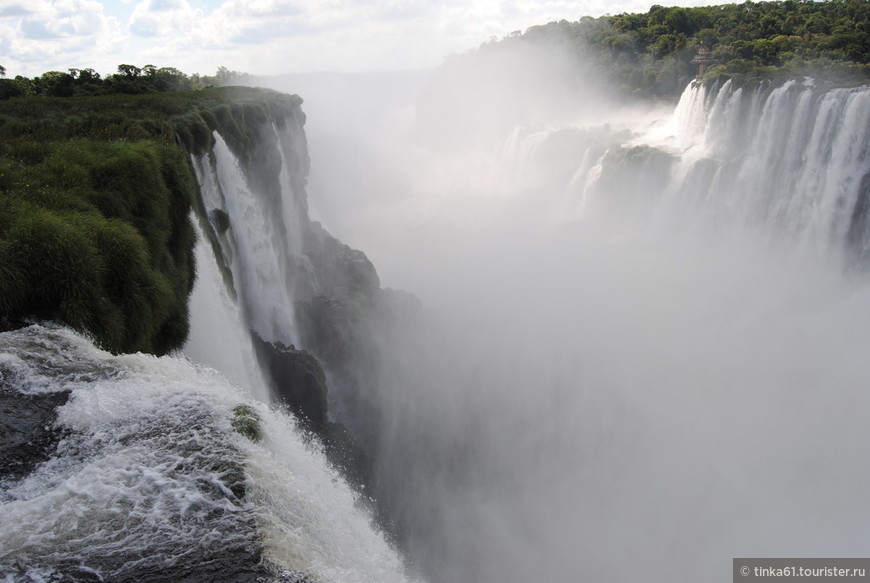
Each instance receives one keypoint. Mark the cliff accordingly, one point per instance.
(107, 203)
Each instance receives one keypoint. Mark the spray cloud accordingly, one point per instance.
(642, 347)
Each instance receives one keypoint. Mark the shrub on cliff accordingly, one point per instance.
(97, 235)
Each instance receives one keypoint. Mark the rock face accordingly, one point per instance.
(859, 227)
(300, 384)
(298, 380)
(329, 325)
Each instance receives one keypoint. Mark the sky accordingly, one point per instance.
(270, 36)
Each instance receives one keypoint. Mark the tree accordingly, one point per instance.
(129, 71)
(2, 71)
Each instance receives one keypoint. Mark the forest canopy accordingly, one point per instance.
(129, 80)
(648, 54)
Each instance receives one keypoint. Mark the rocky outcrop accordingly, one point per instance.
(298, 381)
(858, 235)
(27, 432)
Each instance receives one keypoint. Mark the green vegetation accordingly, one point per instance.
(648, 54)
(95, 200)
(246, 422)
(129, 80)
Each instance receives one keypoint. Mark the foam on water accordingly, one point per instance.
(150, 478)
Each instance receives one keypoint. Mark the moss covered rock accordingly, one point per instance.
(246, 422)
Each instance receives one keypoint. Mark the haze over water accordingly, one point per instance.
(636, 369)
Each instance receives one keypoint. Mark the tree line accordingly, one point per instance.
(129, 79)
(649, 53)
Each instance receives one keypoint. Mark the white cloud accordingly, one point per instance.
(19, 8)
(56, 34)
(159, 18)
(6, 35)
(67, 18)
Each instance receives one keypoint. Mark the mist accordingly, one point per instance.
(635, 360)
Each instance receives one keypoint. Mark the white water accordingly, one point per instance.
(140, 482)
(219, 337)
(133, 486)
(258, 252)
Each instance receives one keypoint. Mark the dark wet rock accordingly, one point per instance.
(300, 384)
(27, 432)
(858, 236)
(329, 326)
(341, 314)
(7, 324)
(220, 220)
(298, 379)
(337, 270)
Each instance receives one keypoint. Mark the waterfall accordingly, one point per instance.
(789, 160)
(259, 248)
(145, 475)
(219, 337)
(641, 351)
(795, 157)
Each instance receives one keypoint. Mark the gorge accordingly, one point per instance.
(638, 351)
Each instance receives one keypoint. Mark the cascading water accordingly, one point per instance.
(149, 481)
(260, 249)
(791, 158)
(219, 337)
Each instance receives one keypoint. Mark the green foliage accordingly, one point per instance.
(129, 80)
(87, 234)
(648, 54)
(95, 201)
